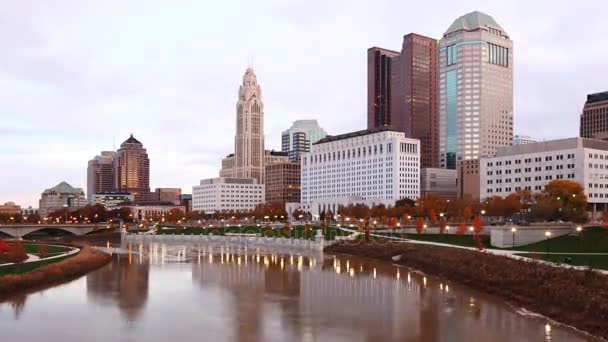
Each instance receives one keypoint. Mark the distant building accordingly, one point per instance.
(532, 166)
(143, 210)
(111, 199)
(475, 89)
(186, 202)
(377, 166)
(298, 138)
(274, 157)
(172, 195)
(63, 195)
(594, 119)
(282, 182)
(519, 139)
(10, 208)
(248, 158)
(100, 174)
(467, 182)
(227, 194)
(132, 170)
(439, 181)
(29, 211)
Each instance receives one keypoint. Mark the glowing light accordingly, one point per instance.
(424, 281)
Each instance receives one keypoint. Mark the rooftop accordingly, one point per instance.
(64, 187)
(552, 145)
(131, 140)
(597, 97)
(472, 21)
(332, 138)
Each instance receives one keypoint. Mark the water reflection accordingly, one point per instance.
(234, 293)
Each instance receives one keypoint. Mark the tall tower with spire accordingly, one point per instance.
(248, 158)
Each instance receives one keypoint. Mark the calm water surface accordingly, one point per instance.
(179, 293)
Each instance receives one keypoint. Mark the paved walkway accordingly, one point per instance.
(503, 252)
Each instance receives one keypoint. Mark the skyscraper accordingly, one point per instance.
(298, 138)
(418, 95)
(248, 158)
(594, 119)
(132, 170)
(100, 174)
(476, 89)
(382, 84)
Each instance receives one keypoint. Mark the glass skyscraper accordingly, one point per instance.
(475, 89)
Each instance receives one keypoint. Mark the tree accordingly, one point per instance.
(42, 251)
(4, 247)
(443, 223)
(287, 227)
(392, 223)
(419, 225)
(477, 225)
(297, 213)
(467, 213)
(405, 219)
(432, 216)
(405, 202)
(461, 229)
(174, 215)
(17, 253)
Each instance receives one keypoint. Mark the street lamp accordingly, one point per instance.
(547, 235)
(513, 230)
(579, 230)
(483, 212)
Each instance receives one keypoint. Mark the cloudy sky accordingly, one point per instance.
(76, 76)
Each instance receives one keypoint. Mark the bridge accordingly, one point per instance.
(20, 230)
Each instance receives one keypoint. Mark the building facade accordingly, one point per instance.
(475, 89)
(227, 194)
(110, 200)
(382, 85)
(377, 166)
(172, 195)
(298, 138)
(438, 181)
(186, 201)
(519, 139)
(100, 174)
(467, 179)
(282, 182)
(532, 166)
(63, 195)
(10, 208)
(417, 95)
(145, 210)
(594, 119)
(248, 158)
(132, 170)
(274, 157)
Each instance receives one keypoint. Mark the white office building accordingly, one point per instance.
(532, 166)
(371, 167)
(227, 194)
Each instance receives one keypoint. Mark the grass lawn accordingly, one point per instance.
(296, 232)
(16, 269)
(450, 239)
(591, 240)
(595, 261)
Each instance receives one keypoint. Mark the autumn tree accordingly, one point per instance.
(419, 225)
(432, 216)
(174, 215)
(477, 225)
(443, 223)
(392, 222)
(17, 253)
(4, 247)
(461, 229)
(42, 251)
(467, 213)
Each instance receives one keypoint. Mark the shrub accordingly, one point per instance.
(4, 247)
(17, 253)
(42, 251)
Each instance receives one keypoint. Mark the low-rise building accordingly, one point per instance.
(168, 195)
(533, 166)
(282, 182)
(371, 167)
(439, 181)
(520, 139)
(186, 201)
(63, 195)
(227, 194)
(10, 208)
(143, 210)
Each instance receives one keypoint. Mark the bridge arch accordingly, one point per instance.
(19, 232)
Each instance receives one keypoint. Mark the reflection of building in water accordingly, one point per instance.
(121, 283)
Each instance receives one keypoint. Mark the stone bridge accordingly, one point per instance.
(20, 230)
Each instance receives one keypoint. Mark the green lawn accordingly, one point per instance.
(16, 269)
(591, 240)
(595, 261)
(296, 232)
(450, 239)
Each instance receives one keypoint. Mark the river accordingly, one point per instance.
(230, 293)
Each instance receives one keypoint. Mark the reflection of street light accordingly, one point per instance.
(513, 230)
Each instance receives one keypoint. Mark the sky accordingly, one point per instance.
(77, 77)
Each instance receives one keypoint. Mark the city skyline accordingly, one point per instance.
(55, 100)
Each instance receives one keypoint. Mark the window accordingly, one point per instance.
(450, 55)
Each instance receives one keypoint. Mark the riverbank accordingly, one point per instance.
(571, 297)
(62, 271)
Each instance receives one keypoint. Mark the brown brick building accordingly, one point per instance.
(468, 179)
(594, 119)
(283, 182)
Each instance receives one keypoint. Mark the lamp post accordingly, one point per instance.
(547, 235)
(579, 230)
(513, 230)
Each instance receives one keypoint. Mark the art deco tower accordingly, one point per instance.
(132, 169)
(248, 159)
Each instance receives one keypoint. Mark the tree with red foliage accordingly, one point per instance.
(17, 253)
(467, 213)
(419, 225)
(432, 216)
(443, 223)
(477, 225)
(478, 242)
(4, 247)
(392, 223)
(461, 229)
